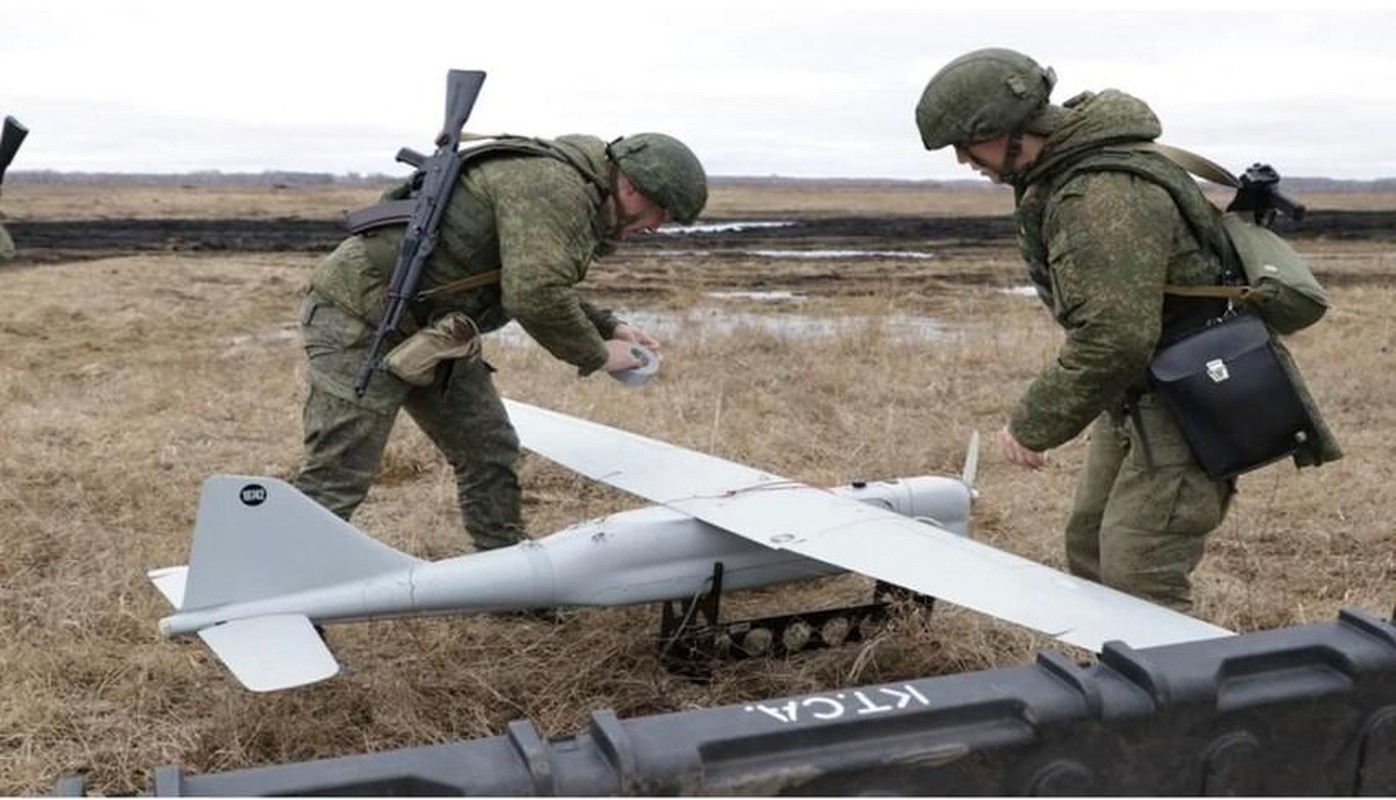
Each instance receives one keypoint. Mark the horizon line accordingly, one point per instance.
(307, 177)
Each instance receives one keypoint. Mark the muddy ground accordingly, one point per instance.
(67, 240)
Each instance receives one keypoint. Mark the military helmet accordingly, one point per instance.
(982, 95)
(665, 171)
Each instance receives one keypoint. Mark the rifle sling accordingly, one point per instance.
(462, 285)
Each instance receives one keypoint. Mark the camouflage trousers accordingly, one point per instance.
(460, 412)
(1137, 527)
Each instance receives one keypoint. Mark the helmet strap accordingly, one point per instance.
(1011, 151)
(620, 219)
(1010, 174)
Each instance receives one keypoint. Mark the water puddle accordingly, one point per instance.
(234, 345)
(796, 254)
(733, 226)
(710, 322)
(1021, 291)
(765, 297)
(840, 253)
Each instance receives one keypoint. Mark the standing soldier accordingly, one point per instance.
(520, 230)
(1102, 234)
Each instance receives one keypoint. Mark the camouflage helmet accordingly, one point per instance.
(982, 95)
(663, 169)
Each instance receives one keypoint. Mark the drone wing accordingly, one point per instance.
(862, 538)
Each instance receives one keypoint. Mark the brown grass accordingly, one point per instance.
(126, 381)
(730, 200)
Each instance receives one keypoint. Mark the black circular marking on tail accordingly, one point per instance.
(253, 494)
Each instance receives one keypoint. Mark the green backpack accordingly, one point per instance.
(1279, 285)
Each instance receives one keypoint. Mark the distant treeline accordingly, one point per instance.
(201, 178)
(286, 179)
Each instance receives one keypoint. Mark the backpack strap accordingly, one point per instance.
(1201, 167)
(1207, 170)
(1220, 292)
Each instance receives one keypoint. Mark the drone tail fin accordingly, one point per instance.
(258, 537)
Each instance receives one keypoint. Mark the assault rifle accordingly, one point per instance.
(10, 141)
(435, 178)
(1258, 192)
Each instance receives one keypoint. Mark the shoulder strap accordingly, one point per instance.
(396, 212)
(1201, 167)
(1211, 171)
(1207, 170)
(508, 142)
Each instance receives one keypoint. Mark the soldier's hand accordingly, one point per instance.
(620, 356)
(634, 333)
(1015, 453)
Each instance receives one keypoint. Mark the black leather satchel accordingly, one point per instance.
(1233, 399)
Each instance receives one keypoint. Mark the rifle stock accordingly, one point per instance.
(10, 141)
(438, 178)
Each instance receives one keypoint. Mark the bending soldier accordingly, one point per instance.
(538, 213)
(1102, 235)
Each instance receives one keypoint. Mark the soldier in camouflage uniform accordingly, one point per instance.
(1102, 234)
(536, 210)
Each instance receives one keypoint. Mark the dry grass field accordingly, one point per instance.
(125, 381)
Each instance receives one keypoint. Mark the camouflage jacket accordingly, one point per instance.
(536, 218)
(1103, 226)
(1101, 239)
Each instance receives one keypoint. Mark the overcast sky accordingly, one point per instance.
(798, 88)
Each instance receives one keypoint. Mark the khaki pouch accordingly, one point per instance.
(453, 336)
(1283, 289)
